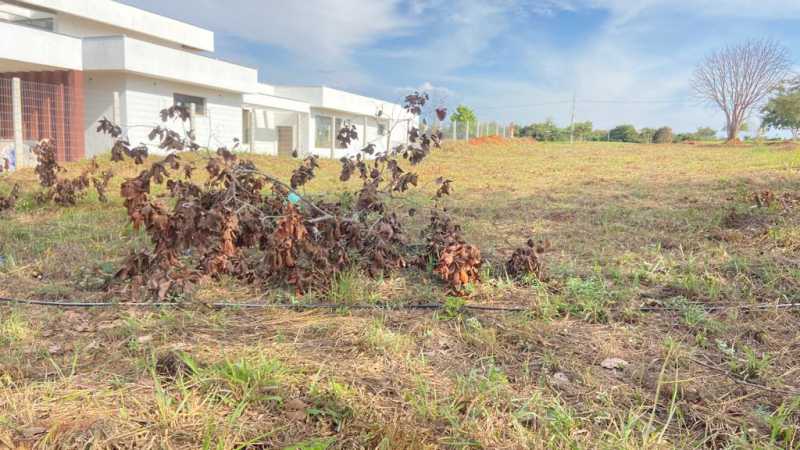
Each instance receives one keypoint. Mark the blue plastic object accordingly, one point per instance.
(293, 198)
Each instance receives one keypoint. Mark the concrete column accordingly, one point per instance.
(364, 137)
(253, 126)
(117, 117)
(455, 129)
(466, 130)
(334, 132)
(297, 145)
(16, 102)
(192, 112)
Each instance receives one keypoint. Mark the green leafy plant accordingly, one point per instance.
(453, 308)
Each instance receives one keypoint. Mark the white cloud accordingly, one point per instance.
(644, 49)
(322, 37)
(439, 95)
(318, 29)
(623, 11)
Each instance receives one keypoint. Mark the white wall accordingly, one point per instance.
(132, 55)
(308, 94)
(99, 91)
(131, 20)
(80, 27)
(266, 125)
(21, 44)
(145, 97)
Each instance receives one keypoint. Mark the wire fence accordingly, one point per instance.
(41, 105)
(465, 131)
(6, 110)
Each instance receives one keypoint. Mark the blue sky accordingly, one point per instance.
(626, 61)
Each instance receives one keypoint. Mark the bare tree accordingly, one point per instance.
(739, 78)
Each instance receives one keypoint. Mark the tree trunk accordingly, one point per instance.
(733, 133)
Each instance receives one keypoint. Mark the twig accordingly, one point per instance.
(745, 382)
(288, 188)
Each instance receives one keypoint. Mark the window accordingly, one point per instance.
(247, 126)
(45, 24)
(381, 129)
(322, 138)
(28, 17)
(340, 123)
(188, 100)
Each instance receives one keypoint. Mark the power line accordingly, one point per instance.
(637, 101)
(530, 105)
(591, 101)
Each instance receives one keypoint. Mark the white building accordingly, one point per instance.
(80, 60)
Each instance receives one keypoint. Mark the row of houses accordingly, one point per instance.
(65, 64)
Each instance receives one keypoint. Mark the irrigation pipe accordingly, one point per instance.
(424, 306)
(380, 306)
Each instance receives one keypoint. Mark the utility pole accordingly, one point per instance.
(572, 122)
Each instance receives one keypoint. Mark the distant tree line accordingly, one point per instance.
(584, 131)
(782, 111)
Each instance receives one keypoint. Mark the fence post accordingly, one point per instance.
(466, 130)
(16, 104)
(116, 110)
(253, 123)
(454, 124)
(192, 112)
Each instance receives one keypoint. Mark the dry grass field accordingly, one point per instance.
(656, 325)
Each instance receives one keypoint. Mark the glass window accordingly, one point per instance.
(29, 17)
(340, 123)
(189, 100)
(381, 129)
(323, 134)
(247, 125)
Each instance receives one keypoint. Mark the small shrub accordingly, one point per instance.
(589, 299)
(663, 136)
(753, 366)
(624, 133)
(453, 308)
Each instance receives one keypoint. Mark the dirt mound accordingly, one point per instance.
(487, 140)
(784, 145)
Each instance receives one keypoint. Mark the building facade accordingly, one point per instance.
(65, 64)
